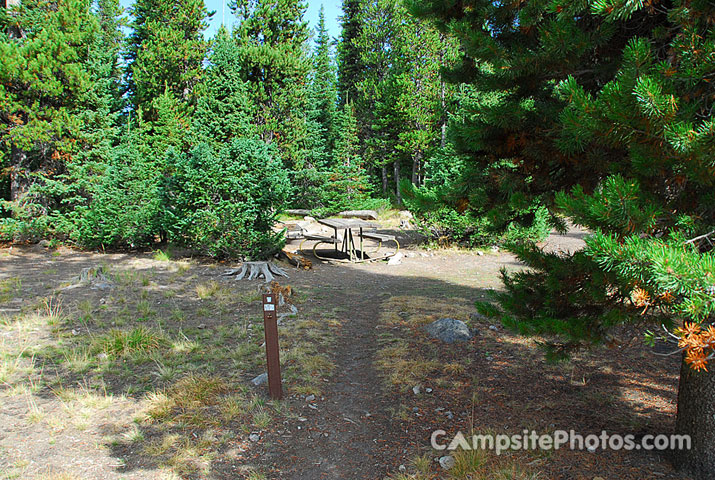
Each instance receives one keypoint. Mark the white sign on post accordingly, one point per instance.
(269, 307)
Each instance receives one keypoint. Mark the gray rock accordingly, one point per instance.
(254, 437)
(260, 380)
(493, 328)
(416, 389)
(310, 398)
(44, 243)
(447, 462)
(428, 390)
(449, 415)
(395, 259)
(449, 330)
(402, 468)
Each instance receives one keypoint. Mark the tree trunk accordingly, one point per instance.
(398, 195)
(696, 417)
(442, 97)
(19, 181)
(416, 167)
(384, 180)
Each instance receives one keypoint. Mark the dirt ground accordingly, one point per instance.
(147, 375)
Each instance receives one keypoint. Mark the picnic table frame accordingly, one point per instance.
(354, 249)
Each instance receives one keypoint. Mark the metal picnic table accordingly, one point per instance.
(353, 250)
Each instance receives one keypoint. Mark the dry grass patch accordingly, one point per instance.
(468, 465)
(208, 290)
(402, 367)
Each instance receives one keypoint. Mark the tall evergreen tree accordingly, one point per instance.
(45, 78)
(349, 58)
(323, 88)
(223, 109)
(165, 49)
(348, 177)
(272, 37)
(603, 112)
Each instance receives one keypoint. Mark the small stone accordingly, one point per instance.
(495, 248)
(428, 390)
(254, 437)
(75, 332)
(449, 415)
(44, 243)
(493, 328)
(480, 253)
(402, 469)
(202, 326)
(310, 398)
(415, 409)
(447, 462)
(395, 259)
(416, 389)
(260, 380)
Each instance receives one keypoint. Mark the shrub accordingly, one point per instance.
(225, 204)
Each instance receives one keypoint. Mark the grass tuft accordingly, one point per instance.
(161, 256)
(123, 342)
(208, 290)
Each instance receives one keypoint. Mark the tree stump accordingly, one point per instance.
(253, 270)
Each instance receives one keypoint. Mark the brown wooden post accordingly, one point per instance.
(270, 327)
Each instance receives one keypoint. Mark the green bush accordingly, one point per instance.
(225, 204)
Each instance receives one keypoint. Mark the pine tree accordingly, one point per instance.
(602, 111)
(348, 179)
(272, 38)
(223, 110)
(323, 88)
(350, 67)
(45, 78)
(165, 50)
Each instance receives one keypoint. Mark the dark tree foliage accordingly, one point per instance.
(225, 202)
(165, 49)
(223, 109)
(602, 111)
(349, 57)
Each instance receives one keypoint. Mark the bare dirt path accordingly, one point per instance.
(351, 432)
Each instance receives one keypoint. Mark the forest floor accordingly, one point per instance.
(147, 375)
